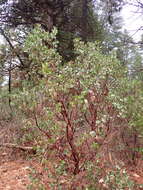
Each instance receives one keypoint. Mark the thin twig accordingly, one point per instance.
(41, 130)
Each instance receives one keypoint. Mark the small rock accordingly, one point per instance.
(26, 168)
(4, 171)
(136, 175)
(4, 154)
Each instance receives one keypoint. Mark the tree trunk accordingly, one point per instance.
(84, 19)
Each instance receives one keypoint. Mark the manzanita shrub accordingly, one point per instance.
(77, 104)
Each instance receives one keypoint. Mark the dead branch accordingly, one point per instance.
(23, 148)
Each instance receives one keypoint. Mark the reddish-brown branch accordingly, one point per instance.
(70, 134)
(93, 115)
(87, 120)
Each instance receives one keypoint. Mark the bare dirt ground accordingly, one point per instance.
(15, 172)
(14, 175)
